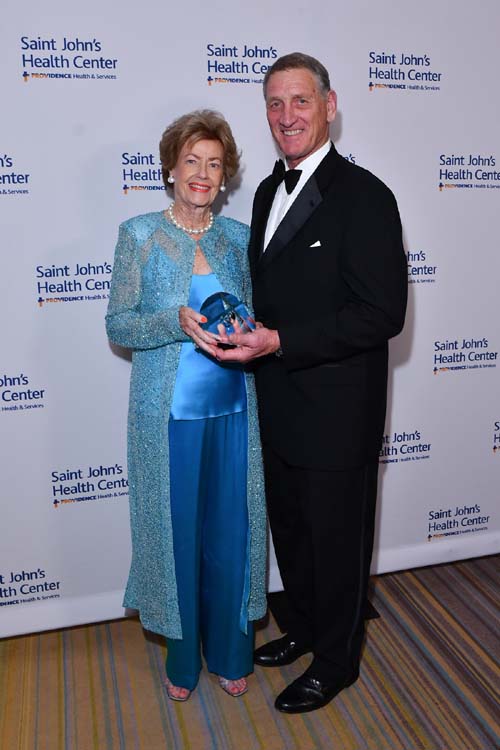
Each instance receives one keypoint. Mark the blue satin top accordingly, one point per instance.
(203, 387)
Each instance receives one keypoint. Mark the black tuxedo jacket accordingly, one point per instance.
(333, 282)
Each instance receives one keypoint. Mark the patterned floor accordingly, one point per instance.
(429, 681)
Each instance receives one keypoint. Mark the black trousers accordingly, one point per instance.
(322, 523)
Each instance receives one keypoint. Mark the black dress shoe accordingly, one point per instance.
(278, 653)
(307, 693)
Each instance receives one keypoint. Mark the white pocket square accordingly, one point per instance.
(316, 244)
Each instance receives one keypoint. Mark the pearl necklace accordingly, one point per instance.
(202, 230)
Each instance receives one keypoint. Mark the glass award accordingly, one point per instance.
(226, 309)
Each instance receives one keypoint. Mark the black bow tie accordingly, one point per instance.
(291, 176)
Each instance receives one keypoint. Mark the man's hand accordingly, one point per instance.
(249, 346)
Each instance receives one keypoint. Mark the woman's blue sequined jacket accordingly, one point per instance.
(151, 280)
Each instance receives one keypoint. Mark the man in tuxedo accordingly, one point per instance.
(329, 282)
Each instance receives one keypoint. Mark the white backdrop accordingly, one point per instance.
(86, 94)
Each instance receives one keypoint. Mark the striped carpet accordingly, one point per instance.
(429, 681)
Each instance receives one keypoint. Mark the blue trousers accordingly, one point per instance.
(208, 497)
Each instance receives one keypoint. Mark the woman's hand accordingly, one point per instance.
(190, 321)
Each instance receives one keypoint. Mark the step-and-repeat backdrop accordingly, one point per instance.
(86, 94)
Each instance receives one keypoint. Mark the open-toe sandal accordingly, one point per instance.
(173, 694)
(230, 686)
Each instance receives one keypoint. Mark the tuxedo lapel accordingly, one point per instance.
(307, 201)
(262, 207)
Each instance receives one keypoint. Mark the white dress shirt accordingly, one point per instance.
(282, 200)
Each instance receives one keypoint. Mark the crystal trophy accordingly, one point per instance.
(226, 309)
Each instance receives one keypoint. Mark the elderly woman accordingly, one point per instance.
(196, 489)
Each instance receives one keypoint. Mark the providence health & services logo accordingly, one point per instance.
(496, 438)
(246, 64)
(401, 447)
(456, 520)
(87, 483)
(140, 170)
(14, 180)
(27, 585)
(421, 268)
(461, 355)
(69, 58)
(468, 171)
(19, 394)
(412, 72)
(76, 282)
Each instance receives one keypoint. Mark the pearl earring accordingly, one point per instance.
(222, 188)
(170, 179)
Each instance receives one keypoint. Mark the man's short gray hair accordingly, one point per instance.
(300, 60)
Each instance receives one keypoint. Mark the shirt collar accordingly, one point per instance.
(310, 163)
